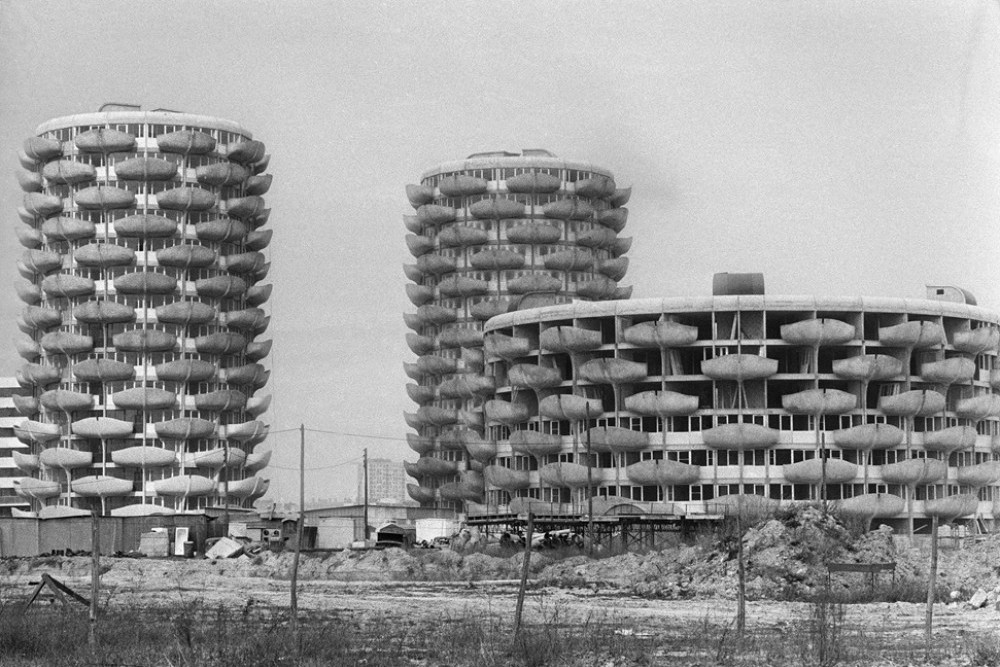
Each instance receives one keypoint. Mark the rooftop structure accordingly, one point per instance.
(144, 265)
(492, 233)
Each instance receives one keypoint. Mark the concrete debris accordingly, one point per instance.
(224, 548)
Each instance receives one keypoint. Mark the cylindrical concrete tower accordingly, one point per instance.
(494, 233)
(143, 301)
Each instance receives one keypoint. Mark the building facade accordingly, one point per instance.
(885, 408)
(9, 472)
(143, 266)
(492, 233)
(387, 482)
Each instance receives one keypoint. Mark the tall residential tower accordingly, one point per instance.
(493, 233)
(143, 268)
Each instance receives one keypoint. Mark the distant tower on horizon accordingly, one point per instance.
(493, 233)
(386, 481)
(143, 264)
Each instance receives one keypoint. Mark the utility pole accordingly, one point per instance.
(366, 492)
(302, 524)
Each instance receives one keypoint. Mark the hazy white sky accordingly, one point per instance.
(842, 147)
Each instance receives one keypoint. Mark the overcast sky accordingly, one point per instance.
(839, 147)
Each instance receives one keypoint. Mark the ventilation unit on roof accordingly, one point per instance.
(120, 106)
(737, 283)
(950, 293)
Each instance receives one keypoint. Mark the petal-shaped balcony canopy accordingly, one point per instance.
(258, 185)
(976, 408)
(145, 341)
(570, 339)
(144, 398)
(505, 412)
(576, 259)
(818, 402)
(219, 287)
(186, 256)
(535, 377)
(258, 350)
(868, 367)
(431, 364)
(812, 471)
(26, 462)
(246, 152)
(872, 505)
(980, 474)
(68, 286)
(418, 195)
(505, 347)
(504, 478)
(38, 204)
(614, 268)
(103, 428)
(259, 239)
(421, 494)
(248, 319)
(420, 394)
(462, 236)
(739, 367)
(434, 214)
(595, 187)
(462, 185)
(248, 208)
(598, 288)
(185, 370)
(466, 385)
(662, 334)
(951, 439)
(436, 416)
(534, 233)
(662, 473)
(38, 375)
(419, 344)
(184, 486)
(146, 169)
(29, 181)
(533, 443)
(427, 466)
(977, 341)
(66, 400)
(64, 342)
(143, 456)
(488, 308)
(34, 432)
(42, 148)
(564, 475)
(432, 264)
(949, 371)
(38, 317)
(568, 209)
(913, 403)
(65, 458)
(597, 237)
(869, 436)
(533, 183)
(620, 246)
(103, 370)
(570, 407)
(620, 197)
(104, 255)
(41, 262)
(462, 286)
(221, 229)
(915, 334)
(742, 436)
(30, 294)
(187, 312)
(224, 174)
(40, 489)
(613, 218)
(144, 225)
(104, 198)
(496, 209)
(145, 282)
(817, 332)
(185, 142)
(222, 400)
(29, 237)
(497, 259)
(62, 228)
(617, 439)
(661, 403)
(105, 140)
(612, 371)
(914, 472)
(534, 282)
(460, 337)
(245, 262)
(952, 507)
(436, 314)
(419, 244)
(185, 198)
(256, 461)
(221, 343)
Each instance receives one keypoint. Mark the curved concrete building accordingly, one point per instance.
(887, 408)
(143, 265)
(489, 234)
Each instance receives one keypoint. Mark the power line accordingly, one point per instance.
(333, 465)
(342, 433)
